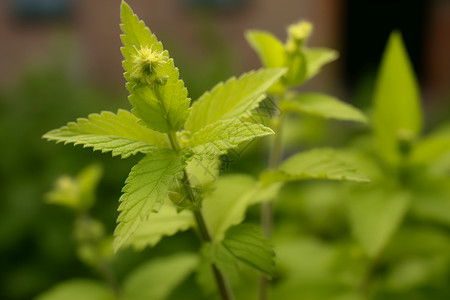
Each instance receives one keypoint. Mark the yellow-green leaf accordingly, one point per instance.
(118, 133)
(145, 191)
(323, 106)
(314, 164)
(158, 95)
(233, 99)
(397, 113)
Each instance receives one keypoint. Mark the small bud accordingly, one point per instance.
(300, 30)
(146, 62)
(297, 33)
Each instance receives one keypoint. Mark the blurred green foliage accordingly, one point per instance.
(37, 244)
(319, 255)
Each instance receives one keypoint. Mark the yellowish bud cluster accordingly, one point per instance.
(297, 33)
(146, 63)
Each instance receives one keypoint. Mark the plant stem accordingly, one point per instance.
(276, 154)
(222, 282)
(109, 277)
(103, 265)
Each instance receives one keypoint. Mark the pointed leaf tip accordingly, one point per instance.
(125, 8)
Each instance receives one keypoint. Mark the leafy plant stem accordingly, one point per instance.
(276, 154)
(221, 281)
(364, 287)
(103, 266)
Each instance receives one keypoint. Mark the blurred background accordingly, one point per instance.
(60, 59)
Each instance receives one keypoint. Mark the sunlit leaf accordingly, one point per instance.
(215, 139)
(268, 47)
(145, 191)
(168, 221)
(162, 104)
(118, 133)
(233, 99)
(323, 106)
(314, 164)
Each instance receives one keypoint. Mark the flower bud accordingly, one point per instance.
(146, 63)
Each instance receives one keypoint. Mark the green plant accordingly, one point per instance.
(385, 240)
(172, 135)
(176, 185)
(407, 203)
(303, 63)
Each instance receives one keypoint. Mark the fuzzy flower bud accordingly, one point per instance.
(146, 63)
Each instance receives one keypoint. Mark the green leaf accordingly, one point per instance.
(323, 106)
(145, 191)
(375, 215)
(157, 278)
(314, 164)
(225, 261)
(216, 138)
(227, 203)
(316, 58)
(77, 193)
(432, 147)
(397, 111)
(203, 171)
(76, 289)
(118, 133)
(233, 99)
(168, 221)
(247, 243)
(271, 52)
(268, 47)
(161, 101)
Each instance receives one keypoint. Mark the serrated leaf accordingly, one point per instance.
(162, 107)
(314, 164)
(76, 289)
(118, 133)
(247, 243)
(375, 215)
(168, 221)
(268, 47)
(397, 108)
(158, 277)
(145, 191)
(233, 99)
(216, 138)
(323, 106)
(316, 58)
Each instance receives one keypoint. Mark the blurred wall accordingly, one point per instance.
(93, 25)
